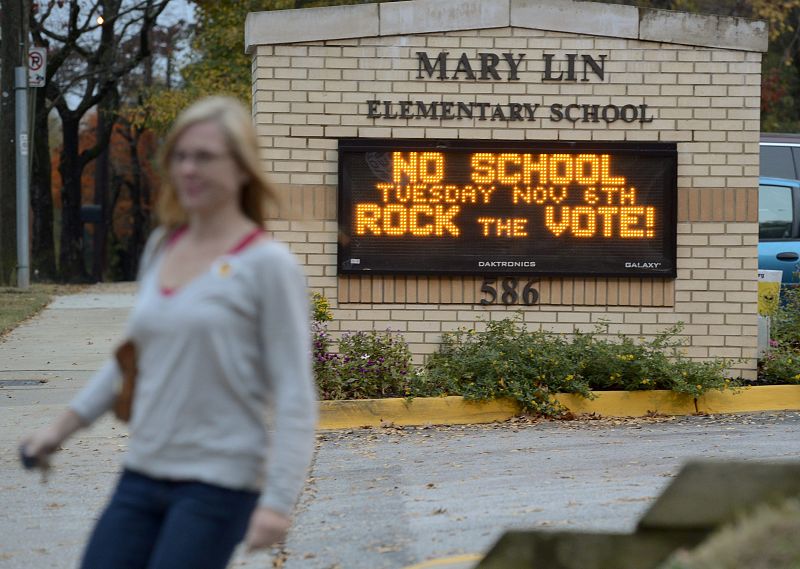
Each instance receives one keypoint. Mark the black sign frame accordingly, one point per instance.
(414, 262)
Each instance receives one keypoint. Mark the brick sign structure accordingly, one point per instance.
(445, 162)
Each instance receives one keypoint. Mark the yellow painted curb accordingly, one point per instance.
(420, 411)
(764, 398)
(457, 411)
(447, 561)
(629, 403)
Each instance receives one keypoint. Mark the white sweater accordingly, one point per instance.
(212, 357)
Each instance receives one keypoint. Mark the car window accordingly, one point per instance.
(777, 162)
(774, 212)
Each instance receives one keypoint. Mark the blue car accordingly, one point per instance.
(779, 227)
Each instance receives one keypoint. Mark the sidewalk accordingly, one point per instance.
(43, 363)
(376, 498)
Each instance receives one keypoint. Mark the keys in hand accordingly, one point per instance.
(30, 462)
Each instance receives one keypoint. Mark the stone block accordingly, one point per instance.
(712, 31)
(425, 16)
(706, 494)
(310, 24)
(568, 550)
(576, 17)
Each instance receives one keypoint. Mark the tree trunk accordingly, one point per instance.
(138, 218)
(101, 174)
(10, 56)
(43, 257)
(71, 262)
(118, 262)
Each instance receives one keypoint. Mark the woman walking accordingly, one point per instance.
(221, 334)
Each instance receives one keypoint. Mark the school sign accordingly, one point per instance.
(443, 162)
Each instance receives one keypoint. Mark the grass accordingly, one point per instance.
(18, 305)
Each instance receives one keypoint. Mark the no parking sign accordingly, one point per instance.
(37, 66)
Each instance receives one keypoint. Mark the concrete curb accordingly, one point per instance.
(458, 411)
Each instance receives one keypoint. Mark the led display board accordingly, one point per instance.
(503, 208)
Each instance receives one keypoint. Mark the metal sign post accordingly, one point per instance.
(23, 199)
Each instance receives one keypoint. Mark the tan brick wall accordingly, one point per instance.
(308, 95)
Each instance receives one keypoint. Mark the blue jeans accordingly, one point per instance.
(163, 524)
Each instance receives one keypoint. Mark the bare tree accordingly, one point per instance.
(156, 73)
(84, 69)
(43, 255)
(12, 54)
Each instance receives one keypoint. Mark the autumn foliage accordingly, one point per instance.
(124, 174)
(218, 65)
(780, 86)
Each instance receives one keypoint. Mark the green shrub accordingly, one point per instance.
(325, 362)
(531, 366)
(368, 365)
(785, 326)
(781, 364)
(505, 361)
(652, 364)
(508, 361)
(320, 308)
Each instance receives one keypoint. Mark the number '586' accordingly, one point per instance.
(509, 292)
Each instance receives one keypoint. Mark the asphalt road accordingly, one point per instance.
(376, 498)
(391, 498)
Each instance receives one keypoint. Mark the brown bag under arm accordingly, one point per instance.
(126, 359)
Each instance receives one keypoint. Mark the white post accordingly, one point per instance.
(23, 190)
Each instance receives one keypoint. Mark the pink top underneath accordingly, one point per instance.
(243, 243)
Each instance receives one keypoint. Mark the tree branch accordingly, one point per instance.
(55, 36)
(90, 17)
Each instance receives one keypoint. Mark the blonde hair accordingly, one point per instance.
(235, 122)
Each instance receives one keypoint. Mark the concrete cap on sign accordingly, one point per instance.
(423, 16)
(708, 493)
(570, 16)
(703, 30)
(612, 20)
(310, 24)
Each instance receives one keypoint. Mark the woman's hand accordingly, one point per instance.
(267, 527)
(46, 440)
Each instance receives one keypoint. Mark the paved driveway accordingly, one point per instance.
(381, 498)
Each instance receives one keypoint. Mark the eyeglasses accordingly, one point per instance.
(200, 159)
